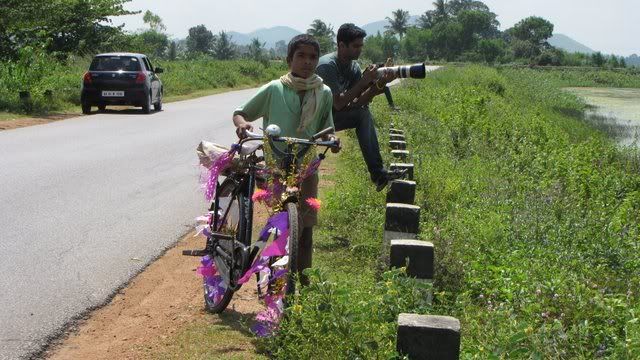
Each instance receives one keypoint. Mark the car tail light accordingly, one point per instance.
(141, 78)
(87, 78)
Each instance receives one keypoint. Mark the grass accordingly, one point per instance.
(534, 217)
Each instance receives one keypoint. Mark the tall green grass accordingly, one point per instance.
(534, 216)
(38, 73)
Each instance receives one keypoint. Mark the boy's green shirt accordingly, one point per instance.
(279, 104)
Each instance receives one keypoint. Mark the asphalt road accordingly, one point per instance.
(86, 202)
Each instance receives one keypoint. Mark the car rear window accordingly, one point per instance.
(115, 63)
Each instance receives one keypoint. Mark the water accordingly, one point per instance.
(614, 111)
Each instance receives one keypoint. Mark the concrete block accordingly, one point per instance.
(397, 145)
(419, 254)
(402, 218)
(428, 337)
(400, 166)
(402, 155)
(402, 192)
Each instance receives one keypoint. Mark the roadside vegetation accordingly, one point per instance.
(534, 217)
(55, 86)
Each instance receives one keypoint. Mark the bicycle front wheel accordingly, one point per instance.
(294, 236)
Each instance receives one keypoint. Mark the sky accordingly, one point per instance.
(607, 26)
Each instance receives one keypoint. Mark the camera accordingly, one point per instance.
(415, 71)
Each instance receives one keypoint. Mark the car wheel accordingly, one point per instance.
(102, 107)
(146, 108)
(86, 108)
(158, 106)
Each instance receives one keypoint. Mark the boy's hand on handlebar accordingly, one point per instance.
(241, 129)
(334, 138)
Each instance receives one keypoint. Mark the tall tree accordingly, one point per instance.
(324, 34)
(223, 46)
(61, 26)
(441, 11)
(598, 59)
(399, 23)
(199, 41)
(173, 51)
(281, 49)
(533, 29)
(154, 21)
(256, 50)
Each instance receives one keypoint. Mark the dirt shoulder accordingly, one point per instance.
(159, 314)
(9, 122)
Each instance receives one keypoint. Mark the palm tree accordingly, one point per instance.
(399, 23)
(441, 11)
(324, 34)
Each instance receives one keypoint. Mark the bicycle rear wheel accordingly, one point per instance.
(228, 218)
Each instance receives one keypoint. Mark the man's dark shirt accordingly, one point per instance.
(337, 76)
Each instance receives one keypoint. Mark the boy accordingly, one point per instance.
(300, 104)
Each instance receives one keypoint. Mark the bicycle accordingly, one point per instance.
(229, 248)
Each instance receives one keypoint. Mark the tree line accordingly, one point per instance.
(468, 31)
(454, 30)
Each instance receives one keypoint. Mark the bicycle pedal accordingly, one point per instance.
(220, 236)
(194, 252)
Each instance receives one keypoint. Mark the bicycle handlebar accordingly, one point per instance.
(250, 136)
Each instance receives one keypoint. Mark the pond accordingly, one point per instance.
(613, 110)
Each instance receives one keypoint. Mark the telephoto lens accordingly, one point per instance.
(415, 71)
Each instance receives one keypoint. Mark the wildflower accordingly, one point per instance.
(260, 195)
(314, 203)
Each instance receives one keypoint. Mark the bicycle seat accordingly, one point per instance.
(249, 147)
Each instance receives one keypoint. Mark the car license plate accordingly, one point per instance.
(113, 93)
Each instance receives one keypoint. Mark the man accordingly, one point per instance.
(352, 91)
(300, 104)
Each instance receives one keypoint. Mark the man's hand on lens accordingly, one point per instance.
(388, 77)
(370, 74)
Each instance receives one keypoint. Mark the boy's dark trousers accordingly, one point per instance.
(361, 120)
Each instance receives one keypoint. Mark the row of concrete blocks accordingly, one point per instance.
(418, 336)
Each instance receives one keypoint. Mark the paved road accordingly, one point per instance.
(85, 203)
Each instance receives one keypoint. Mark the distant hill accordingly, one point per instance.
(269, 36)
(568, 44)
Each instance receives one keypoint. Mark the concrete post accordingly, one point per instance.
(400, 166)
(402, 192)
(416, 255)
(397, 145)
(428, 337)
(401, 155)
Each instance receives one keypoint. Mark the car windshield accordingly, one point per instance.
(115, 63)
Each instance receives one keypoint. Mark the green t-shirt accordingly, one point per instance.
(280, 105)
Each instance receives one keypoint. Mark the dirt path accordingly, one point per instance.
(156, 311)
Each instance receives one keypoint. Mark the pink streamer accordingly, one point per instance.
(216, 168)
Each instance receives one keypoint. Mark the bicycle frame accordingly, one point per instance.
(245, 181)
